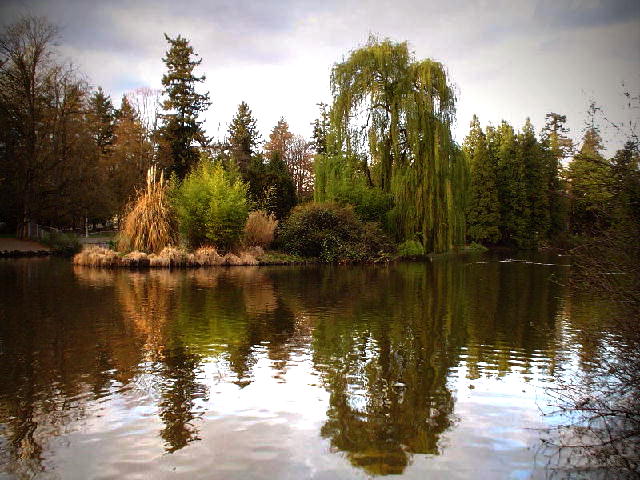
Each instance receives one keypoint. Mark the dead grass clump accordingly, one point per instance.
(207, 256)
(97, 257)
(135, 259)
(149, 224)
(259, 229)
(247, 259)
(173, 257)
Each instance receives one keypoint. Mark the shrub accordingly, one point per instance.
(64, 243)
(369, 204)
(331, 233)
(259, 229)
(148, 224)
(411, 249)
(211, 205)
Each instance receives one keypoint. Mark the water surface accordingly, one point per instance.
(431, 369)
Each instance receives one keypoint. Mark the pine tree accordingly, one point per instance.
(483, 209)
(243, 138)
(183, 105)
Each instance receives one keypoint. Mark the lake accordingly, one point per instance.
(436, 369)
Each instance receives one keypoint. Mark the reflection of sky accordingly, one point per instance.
(269, 429)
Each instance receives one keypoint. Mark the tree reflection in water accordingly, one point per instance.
(386, 342)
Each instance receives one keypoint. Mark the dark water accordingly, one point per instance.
(431, 370)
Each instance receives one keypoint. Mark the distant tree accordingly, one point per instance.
(558, 147)
(183, 105)
(102, 119)
(321, 130)
(48, 154)
(244, 138)
(625, 170)
(130, 158)
(483, 209)
(511, 183)
(300, 164)
(280, 189)
(590, 186)
(536, 215)
(279, 140)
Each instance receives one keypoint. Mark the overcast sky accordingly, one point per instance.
(509, 59)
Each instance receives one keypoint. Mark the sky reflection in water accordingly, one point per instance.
(287, 372)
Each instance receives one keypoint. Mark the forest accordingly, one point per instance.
(382, 174)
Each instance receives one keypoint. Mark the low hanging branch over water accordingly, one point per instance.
(391, 131)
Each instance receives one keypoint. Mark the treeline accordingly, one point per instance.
(382, 168)
(69, 155)
(522, 194)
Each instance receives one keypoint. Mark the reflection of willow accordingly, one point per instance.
(386, 366)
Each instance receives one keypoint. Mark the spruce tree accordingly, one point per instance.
(183, 105)
(281, 191)
(483, 209)
(321, 130)
(243, 138)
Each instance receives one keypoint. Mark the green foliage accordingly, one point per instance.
(405, 149)
(280, 191)
(211, 204)
(62, 243)
(590, 179)
(483, 209)
(331, 233)
(181, 127)
(243, 138)
(411, 249)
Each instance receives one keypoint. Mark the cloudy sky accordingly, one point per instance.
(509, 59)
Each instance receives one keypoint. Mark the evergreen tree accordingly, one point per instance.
(183, 105)
(511, 182)
(243, 138)
(102, 117)
(321, 130)
(536, 214)
(280, 189)
(590, 186)
(557, 146)
(625, 169)
(483, 208)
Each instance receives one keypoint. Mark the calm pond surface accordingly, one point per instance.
(433, 369)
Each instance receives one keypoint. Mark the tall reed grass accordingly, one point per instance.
(259, 229)
(149, 223)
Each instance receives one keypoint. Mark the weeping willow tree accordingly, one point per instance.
(391, 130)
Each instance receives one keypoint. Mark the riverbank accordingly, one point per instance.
(13, 248)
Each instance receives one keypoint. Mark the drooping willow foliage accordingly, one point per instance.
(391, 130)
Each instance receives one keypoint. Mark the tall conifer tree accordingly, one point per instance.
(483, 209)
(183, 106)
(244, 138)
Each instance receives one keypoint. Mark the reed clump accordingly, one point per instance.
(259, 229)
(169, 257)
(149, 223)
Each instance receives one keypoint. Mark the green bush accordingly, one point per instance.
(411, 249)
(369, 204)
(331, 233)
(64, 243)
(211, 205)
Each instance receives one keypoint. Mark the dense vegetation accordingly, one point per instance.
(383, 150)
